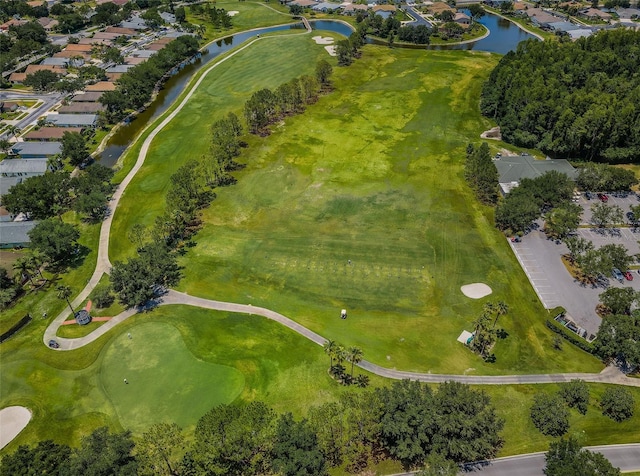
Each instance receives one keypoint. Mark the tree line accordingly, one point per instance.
(407, 422)
(570, 99)
(135, 87)
(266, 107)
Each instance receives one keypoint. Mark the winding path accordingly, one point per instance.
(103, 266)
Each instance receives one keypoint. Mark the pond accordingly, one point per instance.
(504, 37)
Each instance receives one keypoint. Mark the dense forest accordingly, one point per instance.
(572, 100)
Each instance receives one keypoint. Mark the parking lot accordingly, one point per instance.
(623, 202)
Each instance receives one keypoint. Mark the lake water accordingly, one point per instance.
(504, 37)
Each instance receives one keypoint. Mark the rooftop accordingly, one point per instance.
(81, 108)
(24, 166)
(16, 232)
(78, 120)
(43, 149)
(514, 168)
(47, 133)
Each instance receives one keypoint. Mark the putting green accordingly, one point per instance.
(162, 375)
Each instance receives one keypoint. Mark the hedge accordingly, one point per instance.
(571, 336)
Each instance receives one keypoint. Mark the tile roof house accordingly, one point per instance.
(595, 14)
(101, 86)
(81, 108)
(49, 133)
(92, 96)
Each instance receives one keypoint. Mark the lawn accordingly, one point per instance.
(179, 362)
(372, 174)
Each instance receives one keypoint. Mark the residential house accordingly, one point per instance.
(32, 68)
(101, 86)
(542, 18)
(23, 168)
(45, 134)
(8, 106)
(438, 7)
(35, 150)
(354, 8)
(462, 19)
(95, 41)
(91, 96)
(12, 22)
(72, 120)
(563, 26)
(78, 47)
(594, 14)
(120, 31)
(119, 68)
(47, 23)
(81, 108)
(15, 234)
(326, 7)
(580, 33)
(304, 3)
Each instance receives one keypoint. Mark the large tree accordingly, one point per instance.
(549, 415)
(576, 395)
(46, 457)
(618, 337)
(619, 300)
(39, 197)
(104, 453)
(408, 421)
(234, 440)
(160, 450)
(295, 448)
(56, 240)
(567, 458)
(468, 428)
(74, 147)
(617, 403)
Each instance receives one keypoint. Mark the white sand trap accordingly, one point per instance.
(331, 50)
(12, 421)
(476, 290)
(233, 13)
(327, 40)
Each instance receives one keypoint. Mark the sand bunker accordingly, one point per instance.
(476, 290)
(331, 50)
(327, 40)
(13, 419)
(233, 13)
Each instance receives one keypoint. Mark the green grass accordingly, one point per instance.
(250, 15)
(521, 436)
(372, 174)
(180, 362)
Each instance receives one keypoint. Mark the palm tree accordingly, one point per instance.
(36, 260)
(329, 349)
(63, 293)
(13, 130)
(354, 355)
(501, 309)
(5, 145)
(362, 380)
(23, 266)
(480, 325)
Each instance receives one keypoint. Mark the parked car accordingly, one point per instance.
(617, 274)
(628, 276)
(603, 197)
(631, 217)
(588, 195)
(53, 344)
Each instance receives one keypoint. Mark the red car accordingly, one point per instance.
(628, 276)
(603, 197)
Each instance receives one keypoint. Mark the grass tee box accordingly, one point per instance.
(357, 204)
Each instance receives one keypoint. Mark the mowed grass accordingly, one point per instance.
(360, 204)
(266, 64)
(180, 362)
(513, 403)
(250, 15)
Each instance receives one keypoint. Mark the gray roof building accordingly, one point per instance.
(55, 61)
(580, 33)
(73, 120)
(22, 168)
(36, 150)
(15, 233)
(119, 68)
(7, 182)
(512, 169)
(563, 26)
(89, 96)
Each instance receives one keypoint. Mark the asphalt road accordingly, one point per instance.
(49, 100)
(625, 457)
(417, 18)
